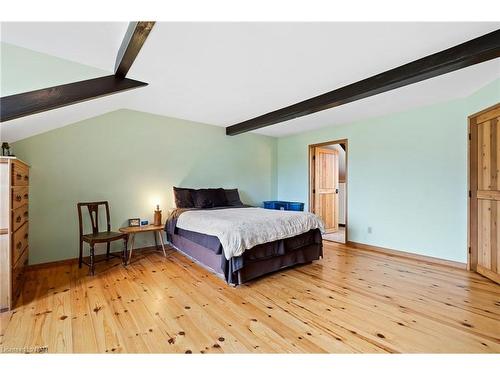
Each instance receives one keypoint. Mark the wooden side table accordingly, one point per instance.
(132, 231)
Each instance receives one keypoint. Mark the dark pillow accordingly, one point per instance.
(233, 197)
(207, 198)
(183, 197)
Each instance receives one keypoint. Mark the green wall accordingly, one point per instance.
(132, 159)
(407, 171)
(25, 70)
(407, 175)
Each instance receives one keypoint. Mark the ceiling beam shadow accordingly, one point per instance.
(475, 51)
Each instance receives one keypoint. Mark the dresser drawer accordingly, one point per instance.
(20, 196)
(18, 274)
(19, 242)
(19, 217)
(20, 175)
(4, 272)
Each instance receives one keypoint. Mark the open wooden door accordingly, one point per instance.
(325, 191)
(485, 193)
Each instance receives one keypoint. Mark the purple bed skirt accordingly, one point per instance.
(255, 262)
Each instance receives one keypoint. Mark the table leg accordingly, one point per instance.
(156, 240)
(160, 234)
(132, 238)
(125, 250)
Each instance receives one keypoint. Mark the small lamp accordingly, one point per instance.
(157, 215)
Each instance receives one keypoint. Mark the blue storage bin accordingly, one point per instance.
(269, 204)
(284, 205)
(295, 206)
(281, 206)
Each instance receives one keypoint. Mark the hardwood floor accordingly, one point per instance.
(338, 236)
(350, 301)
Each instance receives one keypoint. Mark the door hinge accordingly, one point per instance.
(469, 250)
(314, 191)
(469, 137)
(314, 157)
(470, 194)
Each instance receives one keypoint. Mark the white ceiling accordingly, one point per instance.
(90, 43)
(224, 73)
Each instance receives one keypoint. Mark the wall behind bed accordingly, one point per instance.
(407, 175)
(130, 159)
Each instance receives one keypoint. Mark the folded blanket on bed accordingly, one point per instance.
(239, 229)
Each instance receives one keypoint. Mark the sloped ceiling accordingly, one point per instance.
(224, 73)
(24, 70)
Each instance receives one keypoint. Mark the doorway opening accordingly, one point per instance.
(328, 187)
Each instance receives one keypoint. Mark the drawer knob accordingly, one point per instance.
(25, 214)
(19, 244)
(18, 198)
(26, 236)
(26, 178)
(26, 196)
(18, 219)
(19, 176)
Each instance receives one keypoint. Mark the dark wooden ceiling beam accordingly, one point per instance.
(134, 38)
(28, 103)
(484, 48)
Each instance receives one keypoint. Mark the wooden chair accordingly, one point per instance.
(98, 237)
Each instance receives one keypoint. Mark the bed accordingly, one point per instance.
(239, 242)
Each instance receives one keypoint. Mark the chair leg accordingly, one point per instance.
(92, 260)
(80, 257)
(108, 249)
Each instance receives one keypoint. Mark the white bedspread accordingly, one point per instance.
(239, 229)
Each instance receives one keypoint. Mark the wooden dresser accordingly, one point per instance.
(14, 198)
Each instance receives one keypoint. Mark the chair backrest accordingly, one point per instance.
(93, 208)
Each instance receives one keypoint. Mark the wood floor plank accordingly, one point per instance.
(202, 333)
(83, 335)
(266, 333)
(379, 321)
(351, 301)
(59, 333)
(409, 296)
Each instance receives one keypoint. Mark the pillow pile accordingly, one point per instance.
(233, 197)
(183, 198)
(206, 198)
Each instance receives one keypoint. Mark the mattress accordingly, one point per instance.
(242, 228)
(254, 262)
